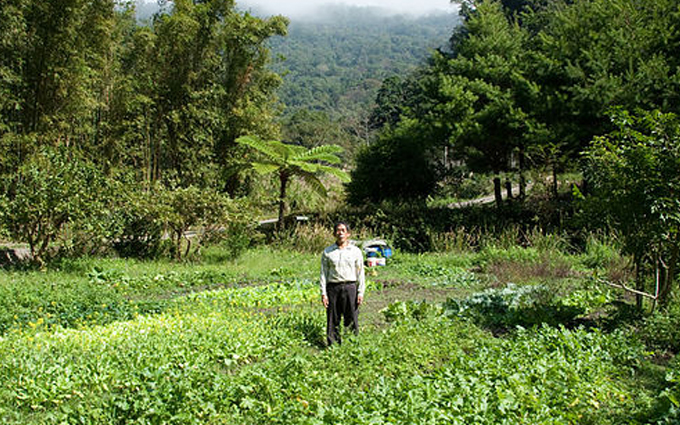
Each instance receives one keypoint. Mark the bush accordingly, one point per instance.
(599, 253)
(460, 183)
(396, 167)
(661, 330)
(140, 224)
(51, 190)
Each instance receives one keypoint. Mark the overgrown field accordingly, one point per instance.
(503, 335)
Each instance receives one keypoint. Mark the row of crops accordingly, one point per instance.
(254, 354)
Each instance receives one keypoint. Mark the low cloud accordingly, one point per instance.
(307, 8)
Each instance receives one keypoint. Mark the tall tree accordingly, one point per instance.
(396, 167)
(211, 85)
(12, 44)
(635, 176)
(487, 93)
(588, 56)
(54, 56)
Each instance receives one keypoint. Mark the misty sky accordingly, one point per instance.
(294, 8)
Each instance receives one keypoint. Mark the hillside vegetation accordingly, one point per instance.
(336, 61)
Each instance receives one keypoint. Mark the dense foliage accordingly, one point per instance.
(290, 161)
(96, 106)
(530, 84)
(634, 173)
(334, 63)
(166, 100)
(336, 60)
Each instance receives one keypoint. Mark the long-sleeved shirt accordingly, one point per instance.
(342, 265)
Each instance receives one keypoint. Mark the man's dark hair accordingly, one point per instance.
(338, 223)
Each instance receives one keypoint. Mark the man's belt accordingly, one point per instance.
(345, 282)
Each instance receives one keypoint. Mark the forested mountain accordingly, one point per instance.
(337, 60)
(333, 61)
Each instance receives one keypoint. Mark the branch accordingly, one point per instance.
(625, 288)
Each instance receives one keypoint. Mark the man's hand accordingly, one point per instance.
(324, 300)
(360, 299)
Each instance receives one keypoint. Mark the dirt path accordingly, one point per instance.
(487, 199)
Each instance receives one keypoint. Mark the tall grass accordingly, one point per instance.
(460, 240)
(305, 238)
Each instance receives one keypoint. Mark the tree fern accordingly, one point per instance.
(290, 161)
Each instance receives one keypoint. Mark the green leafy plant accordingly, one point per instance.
(506, 308)
(405, 310)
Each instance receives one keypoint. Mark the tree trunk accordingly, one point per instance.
(522, 180)
(554, 177)
(497, 191)
(508, 190)
(178, 245)
(666, 289)
(283, 177)
(639, 284)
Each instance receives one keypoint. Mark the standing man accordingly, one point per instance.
(342, 283)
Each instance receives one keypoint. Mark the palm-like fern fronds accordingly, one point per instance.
(259, 145)
(321, 153)
(340, 174)
(264, 167)
(290, 160)
(314, 183)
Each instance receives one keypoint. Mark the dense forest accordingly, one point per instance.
(338, 60)
(333, 65)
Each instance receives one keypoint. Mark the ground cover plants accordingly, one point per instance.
(240, 341)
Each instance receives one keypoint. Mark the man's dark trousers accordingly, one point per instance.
(342, 303)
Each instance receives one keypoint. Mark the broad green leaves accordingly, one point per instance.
(52, 189)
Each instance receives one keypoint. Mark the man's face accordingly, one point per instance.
(341, 234)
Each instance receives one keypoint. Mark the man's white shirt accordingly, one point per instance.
(342, 265)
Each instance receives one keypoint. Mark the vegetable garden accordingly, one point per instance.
(445, 338)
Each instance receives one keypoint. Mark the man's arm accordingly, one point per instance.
(322, 280)
(361, 277)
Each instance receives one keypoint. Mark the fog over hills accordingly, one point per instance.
(312, 10)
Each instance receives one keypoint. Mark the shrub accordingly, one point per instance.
(599, 252)
(396, 167)
(140, 223)
(52, 189)
(206, 211)
(661, 330)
